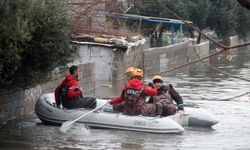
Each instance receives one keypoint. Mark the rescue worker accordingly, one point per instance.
(166, 94)
(128, 74)
(133, 96)
(70, 94)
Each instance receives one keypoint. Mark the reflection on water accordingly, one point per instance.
(197, 84)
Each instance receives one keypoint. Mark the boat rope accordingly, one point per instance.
(230, 75)
(237, 96)
(224, 48)
(233, 76)
(216, 69)
(191, 62)
(196, 29)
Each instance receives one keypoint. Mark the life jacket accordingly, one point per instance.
(133, 99)
(132, 95)
(62, 95)
(67, 89)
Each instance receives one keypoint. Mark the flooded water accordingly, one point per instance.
(198, 83)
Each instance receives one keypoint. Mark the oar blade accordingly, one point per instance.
(65, 126)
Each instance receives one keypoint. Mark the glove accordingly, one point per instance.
(151, 85)
(163, 88)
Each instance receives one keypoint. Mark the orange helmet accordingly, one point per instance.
(157, 77)
(138, 73)
(129, 70)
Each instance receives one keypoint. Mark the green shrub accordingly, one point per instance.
(34, 40)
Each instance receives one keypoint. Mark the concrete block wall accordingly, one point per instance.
(159, 60)
(87, 78)
(130, 58)
(196, 51)
(229, 41)
(234, 40)
(19, 104)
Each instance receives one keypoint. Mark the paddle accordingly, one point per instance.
(66, 125)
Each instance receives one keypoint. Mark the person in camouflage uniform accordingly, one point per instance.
(128, 74)
(133, 97)
(166, 94)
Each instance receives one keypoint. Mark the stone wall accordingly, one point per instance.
(19, 104)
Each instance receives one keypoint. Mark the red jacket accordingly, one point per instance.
(73, 90)
(135, 84)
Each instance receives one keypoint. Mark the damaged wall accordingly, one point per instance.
(110, 63)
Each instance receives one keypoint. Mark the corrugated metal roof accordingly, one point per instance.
(146, 18)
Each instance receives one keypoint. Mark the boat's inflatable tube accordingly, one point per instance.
(103, 118)
(107, 118)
